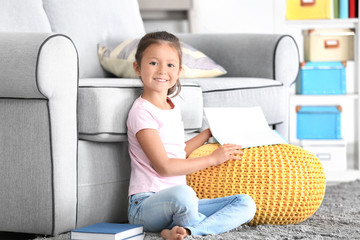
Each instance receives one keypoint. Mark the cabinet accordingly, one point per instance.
(174, 16)
(350, 123)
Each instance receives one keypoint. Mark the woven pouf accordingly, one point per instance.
(286, 182)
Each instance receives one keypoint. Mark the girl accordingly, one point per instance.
(159, 198)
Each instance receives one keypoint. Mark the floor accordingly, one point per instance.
(25, 236)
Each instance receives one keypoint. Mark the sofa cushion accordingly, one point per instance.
(104, 104)
(272, 56)
(246, 92)
(23, 16)
(119, 61)
(89, 22)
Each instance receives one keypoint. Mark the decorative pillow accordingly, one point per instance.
(119, 61)
(286, 182)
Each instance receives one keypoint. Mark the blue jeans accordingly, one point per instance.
(179, 206)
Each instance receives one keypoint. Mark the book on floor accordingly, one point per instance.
(245, 126)
(109, 231)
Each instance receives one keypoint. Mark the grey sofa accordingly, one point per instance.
(63, 149)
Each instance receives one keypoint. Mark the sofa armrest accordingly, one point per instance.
(33, 65)
(271, 56)
(38, 116)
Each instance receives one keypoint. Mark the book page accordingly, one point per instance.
(243, 126)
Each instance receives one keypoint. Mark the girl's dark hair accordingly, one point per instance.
(160, 38)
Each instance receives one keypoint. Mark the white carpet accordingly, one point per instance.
(337, 218)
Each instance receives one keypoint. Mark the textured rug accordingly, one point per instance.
(337, 218)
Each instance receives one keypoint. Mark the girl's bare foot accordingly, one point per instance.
(176, 233)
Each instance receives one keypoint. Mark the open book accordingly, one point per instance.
(243, 126)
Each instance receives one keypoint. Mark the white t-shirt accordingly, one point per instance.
(145, 115)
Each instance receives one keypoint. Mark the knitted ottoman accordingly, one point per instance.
(286, 182)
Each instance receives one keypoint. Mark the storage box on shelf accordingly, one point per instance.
(322, 78)
(318, 122)
(308, 9)
(345, 129)
(329, 44)
(332, 153)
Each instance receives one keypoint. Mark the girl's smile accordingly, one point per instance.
(159, 68)
(160, 80)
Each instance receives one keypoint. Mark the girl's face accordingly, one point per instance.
(159, 68)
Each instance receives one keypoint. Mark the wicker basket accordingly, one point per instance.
(286, 182)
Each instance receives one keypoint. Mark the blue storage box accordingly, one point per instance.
(322, 78)
(318, 122)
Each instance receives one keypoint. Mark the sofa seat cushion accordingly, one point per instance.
(104, 104)
(246, 92)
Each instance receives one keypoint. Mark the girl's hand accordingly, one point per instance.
(226, 152)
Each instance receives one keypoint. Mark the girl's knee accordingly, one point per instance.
(184, 195)
(184, 191)
(249, 202)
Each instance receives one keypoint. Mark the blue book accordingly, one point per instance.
(344, 9)
(109, 231)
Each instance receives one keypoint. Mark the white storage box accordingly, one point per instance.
(332, 153)
(329, 44)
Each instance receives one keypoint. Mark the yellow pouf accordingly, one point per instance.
(286, 182)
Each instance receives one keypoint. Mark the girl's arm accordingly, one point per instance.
(154, 149)
(197, 141)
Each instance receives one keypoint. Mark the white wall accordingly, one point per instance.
(233, 16)
(223, 16)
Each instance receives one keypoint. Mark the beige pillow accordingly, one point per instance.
(119, 61)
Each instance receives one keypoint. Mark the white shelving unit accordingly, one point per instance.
(349, 102)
